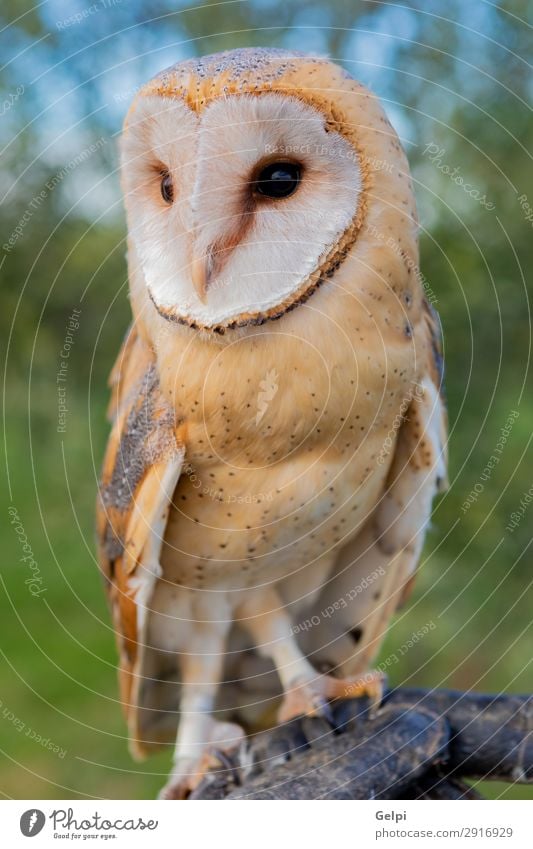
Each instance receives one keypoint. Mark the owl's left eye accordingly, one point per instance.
(167, 189)
(278, 179)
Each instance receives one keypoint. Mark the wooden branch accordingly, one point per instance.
(421, 744)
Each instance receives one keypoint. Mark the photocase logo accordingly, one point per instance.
(32, 822)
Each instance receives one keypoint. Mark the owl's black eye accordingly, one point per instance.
(278, 180)
(167, 189)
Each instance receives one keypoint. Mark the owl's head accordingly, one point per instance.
(246, 179)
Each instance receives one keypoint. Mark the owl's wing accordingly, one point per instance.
(375, 572)
(141, 468)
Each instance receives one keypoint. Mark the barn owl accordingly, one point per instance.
(278, 429)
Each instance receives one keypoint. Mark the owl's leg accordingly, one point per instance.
(306, 691)
(199, 734)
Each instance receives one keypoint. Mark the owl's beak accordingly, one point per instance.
(200, 276)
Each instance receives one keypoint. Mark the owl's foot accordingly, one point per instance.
(222, 741)
(311, 696)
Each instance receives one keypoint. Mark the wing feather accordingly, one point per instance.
(141, 469)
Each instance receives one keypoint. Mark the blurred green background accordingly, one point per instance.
(452, 75)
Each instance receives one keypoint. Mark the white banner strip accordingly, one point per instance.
(268, 825)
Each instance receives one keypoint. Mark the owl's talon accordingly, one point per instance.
(175, 790)
(228, 764)
(372, 684)
(326, 713)
(222, 742)
(313, 697)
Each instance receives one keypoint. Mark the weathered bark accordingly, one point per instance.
(420, 745)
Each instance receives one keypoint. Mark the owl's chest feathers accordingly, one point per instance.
(284, 459)
(275, 394)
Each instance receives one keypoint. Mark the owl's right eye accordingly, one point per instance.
(167, 189)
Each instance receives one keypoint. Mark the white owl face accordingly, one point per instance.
(231, 211)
